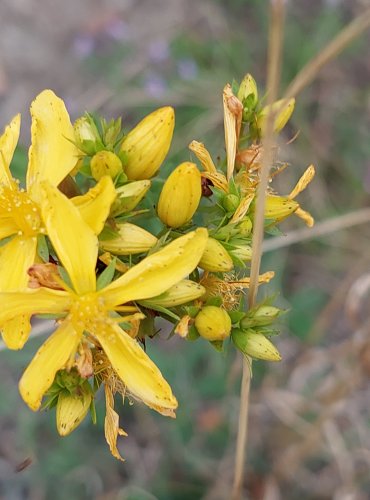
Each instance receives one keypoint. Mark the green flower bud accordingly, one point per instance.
(242, 252)
(105, 163)
(262, 316)
(213, 323)
(255, 345)
(247, 88)
(128, 196)
(230, 202)
(245, 227)
(284, 112)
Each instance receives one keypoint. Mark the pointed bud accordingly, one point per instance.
(216, 258)
(128, 196)
(87, 136)
(248, 87)
(242, 252)
(255, 345)
(71, 410)
(230, 202)
(262, 316)
(278, 207)
(213, 323)
(180, 195)
(284, 110)
(105, 163)
(181, 293)
(147, 145)
(85, 129)
(245, 227)
(131, 239)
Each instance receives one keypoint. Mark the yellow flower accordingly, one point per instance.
(280, 207)
(51, 157)
(92, 313)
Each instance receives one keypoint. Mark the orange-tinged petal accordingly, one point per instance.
(203, 156)
(306, 216)
(242, 208)
(158, 272)
(51, 155)
(73, 240)
(111, 423)
(137, 371)
(16, 257)
(16, 331)
(8, 143)
(37, 301)
(233, 110)
(51, 357)
(94, 206)
(303, 182)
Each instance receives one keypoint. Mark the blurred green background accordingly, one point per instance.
(309, 432)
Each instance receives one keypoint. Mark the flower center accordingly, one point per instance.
(89, 313)
(24, 212)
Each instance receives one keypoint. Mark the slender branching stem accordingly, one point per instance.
(273, 77)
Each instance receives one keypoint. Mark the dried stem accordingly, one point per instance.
(273, 77)
(339, 43)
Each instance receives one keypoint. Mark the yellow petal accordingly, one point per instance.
(140, 375)
(306, 216)
(303, 181)
(16, 257)
(158, 272)
(51, 155)
(51, 357)
(111, 423)
(218, 180)
(8, 143)
(7, 227)
(94, 206)
(37, 301)
(242, 209)
(245, 282)
(233, 110)
(203, 156)
(73, 240)
(16, 331)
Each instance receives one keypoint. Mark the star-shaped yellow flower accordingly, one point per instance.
(52, 156)
(91, 313)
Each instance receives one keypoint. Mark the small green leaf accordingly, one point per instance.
(42, 248)
(107, 275)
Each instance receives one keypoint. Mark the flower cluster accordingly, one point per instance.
(91, 242)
